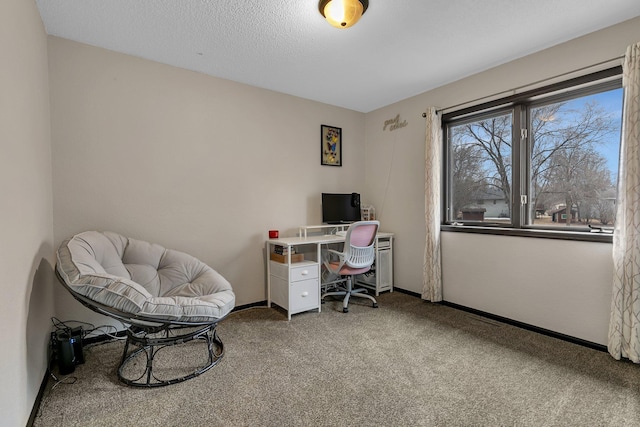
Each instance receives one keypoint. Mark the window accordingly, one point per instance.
(542, 160)
(480, 168)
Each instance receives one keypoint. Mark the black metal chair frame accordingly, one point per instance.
(150, 335)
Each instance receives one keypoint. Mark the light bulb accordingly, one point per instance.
(343, 13)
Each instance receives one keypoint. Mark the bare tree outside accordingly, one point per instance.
(485, 148)
(571, 180)
(576, 177)
(468, 175)
(566, 168)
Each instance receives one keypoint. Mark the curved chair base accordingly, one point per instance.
(148, 341)
(349, 292)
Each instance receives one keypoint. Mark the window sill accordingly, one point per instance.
(584, 236)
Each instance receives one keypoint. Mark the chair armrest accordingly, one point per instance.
(330, 254)
(332, 251)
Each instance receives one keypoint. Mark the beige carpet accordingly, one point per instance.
(407, 363)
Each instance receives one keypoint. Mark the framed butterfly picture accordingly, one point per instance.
(330, 146)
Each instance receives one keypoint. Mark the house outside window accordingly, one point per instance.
(543, 160)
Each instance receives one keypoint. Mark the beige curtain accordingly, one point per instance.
(432, 270)
(624, 325)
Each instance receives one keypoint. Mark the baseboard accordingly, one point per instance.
(516, 323)
(404, 291)
(122, 333)
(47, 374)
(253, 304)
(36, 403)
(528, 327)
(103, 337)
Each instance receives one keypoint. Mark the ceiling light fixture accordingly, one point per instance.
(343, 13)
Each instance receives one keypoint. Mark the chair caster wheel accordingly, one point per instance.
(375, 305)
(345, 310)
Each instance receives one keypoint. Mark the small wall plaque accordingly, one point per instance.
(394, 123)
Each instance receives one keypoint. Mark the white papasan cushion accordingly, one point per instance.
(143, 279)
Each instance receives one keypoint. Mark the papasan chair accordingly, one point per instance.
(166, 296)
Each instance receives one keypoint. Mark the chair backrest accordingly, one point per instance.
(359, 241)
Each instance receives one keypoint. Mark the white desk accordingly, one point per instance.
(296, 286)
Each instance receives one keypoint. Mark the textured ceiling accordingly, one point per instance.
(400, 48)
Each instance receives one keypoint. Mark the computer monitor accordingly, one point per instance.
(340, 208)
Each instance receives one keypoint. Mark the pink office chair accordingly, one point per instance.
(357, 257)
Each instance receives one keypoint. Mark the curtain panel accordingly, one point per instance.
(432, 267)
(624, 325)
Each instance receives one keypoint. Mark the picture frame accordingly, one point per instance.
(330, 145)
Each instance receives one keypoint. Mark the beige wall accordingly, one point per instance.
(208, 166)
(508, 276)
(26, 250)
(192, 162)
(197, 163)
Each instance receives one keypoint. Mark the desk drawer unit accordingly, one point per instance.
(304, 273)
(295, 288)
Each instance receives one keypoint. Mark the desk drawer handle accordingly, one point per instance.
(304, 272)
(305, 294)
